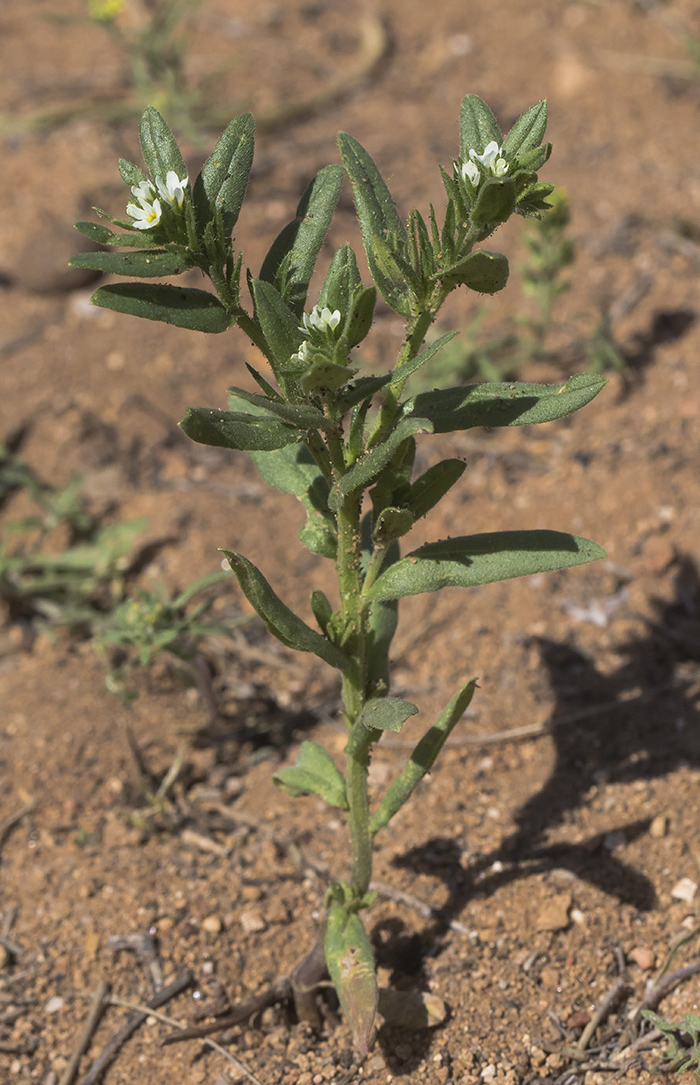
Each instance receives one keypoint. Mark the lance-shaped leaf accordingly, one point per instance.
(291, 260)
(160, 150)
(182, 306)
(348, 952)
(358, 390)
(422, 759)
(145, 265)
(468, 560)
(234, 429)
(381, 626)
(224, 178)
(386, 713)
(282, 622)
(495, 201)
(293, 470)
(368, 466)
(383, 233)
(482, 271)
(528, 131)
(341, 282)
(425, 355)
(278, 323)
(314, 773)
(130, 174)
(104, 236)
(509, 404)
(477, 126)
(302, 416)
(432, 486)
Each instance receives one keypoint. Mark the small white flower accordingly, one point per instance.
(321, 319)
(172, 189)
(302, 355)
(147, 213)
(471, 172)
(491, 159)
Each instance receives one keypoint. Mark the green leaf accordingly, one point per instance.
(304, 417)
(468, 560)
(528, 131)
(432, 486)
(104, 236)
(349, 959)
(342, 281)
(182, 306)
(424, 356)
(293, 470)
(282, 622)
(291, 260)
(422, 759)
(392, 523)
(131, 174)
(485, 272)
(146, 265)
(477, 126)
(160, 150)
(359, 321)
(386, 713)
(278, 323)
(234, 429)
(383, 233)
(368, 466)
(358, 390)
(323, 611)
(325, 376)
(507, 404)
(314, 773)
(495, 201)
(224, 178)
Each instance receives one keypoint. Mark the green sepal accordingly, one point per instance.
(422, 759)
(385, 713)
(196, 310)
(325, 376)
(278, 323)
(482, 271)
(291, 260)
(145, 265)
(314, 773)
(420, 359)
(477, 126)
(503, 404)
(383, 233)
(224, 178)
(265, 385)
(432, 486)
(302, 416)
(359, 320)
(342, 281)
(349, 959)
(534, 160)
(234, 429)
(322, 609)
(469, 560)
(131, 174)
(392, 523)
(293, 470)
(495, 201)
(160, 150)
(282, 622)
(528, 131)
(368, 466)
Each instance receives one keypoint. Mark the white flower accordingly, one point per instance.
(321, 319)
(491, 159)
(172, 189)
(471, 172)
(302, 355)
(147, 213)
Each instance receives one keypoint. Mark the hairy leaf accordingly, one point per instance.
(182, 306)
(146, 265)
(314, 773)
(386, 713)
(234, 429)
(350, 963)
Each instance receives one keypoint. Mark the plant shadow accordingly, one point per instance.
(639, 722)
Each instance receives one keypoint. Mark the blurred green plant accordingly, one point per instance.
(683, 1052)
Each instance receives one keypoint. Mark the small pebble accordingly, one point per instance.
(642, 957)
(659, 827)
(684, 890)
(252, 921)
(54, 1004)
(212, 924)
(554, 915)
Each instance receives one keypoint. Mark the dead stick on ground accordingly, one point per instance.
(150, 1012)
(9, 823)
(93, 1018)
(127, 1030)
(602, 1010)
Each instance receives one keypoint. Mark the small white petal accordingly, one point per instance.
(487, 159)
(471, 172)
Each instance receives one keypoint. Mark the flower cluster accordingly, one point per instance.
(320, 324)
(491, 160)
(148, 212)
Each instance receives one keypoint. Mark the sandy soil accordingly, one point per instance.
(549, 865)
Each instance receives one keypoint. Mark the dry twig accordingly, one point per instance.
(93, 1019)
